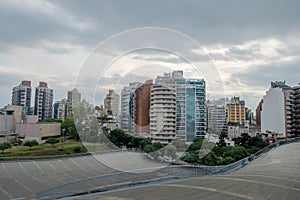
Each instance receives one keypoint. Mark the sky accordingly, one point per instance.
(84, 44)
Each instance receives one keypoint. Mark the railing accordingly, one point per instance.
(135, 178)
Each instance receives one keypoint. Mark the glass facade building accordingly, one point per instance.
(190, 109)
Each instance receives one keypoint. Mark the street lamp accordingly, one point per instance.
(63, 140)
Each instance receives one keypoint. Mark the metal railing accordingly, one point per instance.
(118, 180)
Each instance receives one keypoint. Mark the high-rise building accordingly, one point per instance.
(21, 96)
(112, 104)
(43, 101)
(235, 111)
(141, 108)
(60, 109)
(126, 108)
(74, 97)
(177, 108)
(190, 109)
(216, 116)
(73, 100)
(258, 112)
(163, 108)
(276, 114)
(296, 111)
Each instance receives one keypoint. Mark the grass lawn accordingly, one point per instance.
(70, 147)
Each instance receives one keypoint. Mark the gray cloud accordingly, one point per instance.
(47, 25)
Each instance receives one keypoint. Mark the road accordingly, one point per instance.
(24, 179)
(273, 176)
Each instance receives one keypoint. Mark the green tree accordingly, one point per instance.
(227, 160)
(52, 141)
(196, 145)
(4, 146)
(30, 143)
(211, 159)
(190, 158)
(222, 137)
(148, 148)
(170, 151)
(69, 128)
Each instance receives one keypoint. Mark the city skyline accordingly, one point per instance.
(249, 51)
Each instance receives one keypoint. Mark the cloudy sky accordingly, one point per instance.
(249, 43)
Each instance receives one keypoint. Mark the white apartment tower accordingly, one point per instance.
(43, 101)
(216, 116)
(277, 109)
(21, 95)
(163, 108)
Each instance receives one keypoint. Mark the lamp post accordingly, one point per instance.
(63, 139)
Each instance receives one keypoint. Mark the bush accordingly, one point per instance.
(227, 160)
(4, 146)
(52, 141)
(77, 149)
(30, 143)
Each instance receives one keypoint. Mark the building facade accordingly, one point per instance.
(235, 110)
(43, 101)
(126, 108)
(190, 109)
(60, 109)
(296, 111)
(163, 109)
(112, 104)
(258, 112)
(216, 116)
(73, 100)
(141, 108)
(21, 95)
(276, 114)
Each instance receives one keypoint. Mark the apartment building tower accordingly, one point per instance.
(21, 96)
(43, 101)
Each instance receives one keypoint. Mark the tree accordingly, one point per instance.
(211, 159)
(148, 148)
(170, 151)
(222, 137)
(4, 146)
(196, 145)
(179, 144)
(68, 125)
(30, 143)
(52, 141)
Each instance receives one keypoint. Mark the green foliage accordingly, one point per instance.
(227, 160)
(211, 159)
(148, 148)
(249, 142)
(196, 145)
(77, 149)
(190, 158)
(170, 151)
(223, 155)
(51, 120)
(69, 128)
(222, 137)
(52, 141)
(4, 146)
(30, 143)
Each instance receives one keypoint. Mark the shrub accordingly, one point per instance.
(77, 149)
(30, 143)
